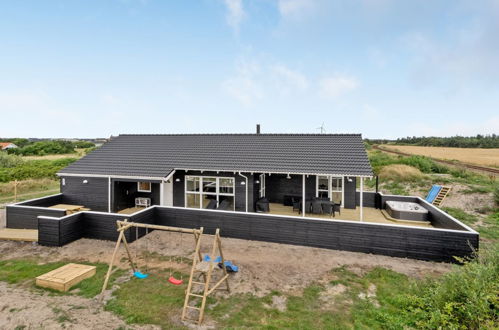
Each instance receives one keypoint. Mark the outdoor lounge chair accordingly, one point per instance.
(263, 205)
(224, 205)
(212, 205)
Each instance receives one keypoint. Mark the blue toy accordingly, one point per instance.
(139, 275)
(229, 266)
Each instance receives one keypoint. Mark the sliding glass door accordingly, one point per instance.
(207, 192)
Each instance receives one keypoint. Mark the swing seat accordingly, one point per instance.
(174, 281)
(140, 275)
(208, 259)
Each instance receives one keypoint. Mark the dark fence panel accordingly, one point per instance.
(26, 217)
(44, 201)
(369, 198)
(48, 231)
(394, 241)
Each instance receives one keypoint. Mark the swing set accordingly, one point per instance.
(200, 267)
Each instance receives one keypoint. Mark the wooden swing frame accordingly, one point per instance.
(198, 265)
(124, 226)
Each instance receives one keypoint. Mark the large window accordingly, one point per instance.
(143, 186)
(209, 192)
(330, 187)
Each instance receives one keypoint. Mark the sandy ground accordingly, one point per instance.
(263, 266)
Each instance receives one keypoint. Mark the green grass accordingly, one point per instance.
(24, 272)
(488, 227)
(149, 301)
(34, 169)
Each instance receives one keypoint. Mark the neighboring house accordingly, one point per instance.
(218, 171)
(7, 145)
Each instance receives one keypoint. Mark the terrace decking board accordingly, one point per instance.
(63, 278)
(25, 235)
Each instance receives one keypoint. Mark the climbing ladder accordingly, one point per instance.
(204, 269)
(444, 191)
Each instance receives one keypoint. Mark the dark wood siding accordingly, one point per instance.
(26, 217)
(93, 194)
(277, 186)
(394, 241)
(350, 192)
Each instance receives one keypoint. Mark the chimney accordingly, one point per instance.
(257, 128)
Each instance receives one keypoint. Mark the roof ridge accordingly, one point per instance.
(246, 134)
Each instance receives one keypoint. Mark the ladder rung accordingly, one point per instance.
(192, 307)
(198, 283)
(195, 295)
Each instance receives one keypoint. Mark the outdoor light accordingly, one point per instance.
(349, 179)
(243, 183)
(177, 180)
(85, 181)
(288, 177)
(257, 181)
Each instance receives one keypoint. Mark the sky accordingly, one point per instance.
(383, 68)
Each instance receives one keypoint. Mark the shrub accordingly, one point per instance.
(496, 195)
(7, 160)
(44, 148)
(34, 169)
(83, 144)
(399, 172)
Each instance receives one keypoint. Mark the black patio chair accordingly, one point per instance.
(328, 208)
(316, 207)
(337, 207)
(296, 204)
(308, 207)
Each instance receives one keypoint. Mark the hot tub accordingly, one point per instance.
(406, 211)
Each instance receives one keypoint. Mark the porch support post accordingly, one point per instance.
(161, 193)
(361, 199)
(303, 196)
(109, 194)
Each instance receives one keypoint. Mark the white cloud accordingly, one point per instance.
(369, 113)
(245, 85)
(288, 80)
(335, 86)
(235, 13)
(295, 8)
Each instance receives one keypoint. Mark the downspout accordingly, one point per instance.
(244, 176)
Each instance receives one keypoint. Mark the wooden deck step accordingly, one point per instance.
(63, 278)
(26, 235)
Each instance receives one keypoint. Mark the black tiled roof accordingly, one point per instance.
(158, 155)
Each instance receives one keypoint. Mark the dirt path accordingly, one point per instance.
(20, 307)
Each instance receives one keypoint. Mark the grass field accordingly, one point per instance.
(27, 189)
(478, 156)
(78, 154)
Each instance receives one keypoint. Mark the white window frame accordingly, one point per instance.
(144, 190)
(262, 188)
(217, 192)
(330, 186)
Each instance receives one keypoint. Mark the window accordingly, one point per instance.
(330, 187)
(203, 192)
(143, 186)
(262, 185)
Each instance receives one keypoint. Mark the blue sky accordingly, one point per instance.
(383, 68)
